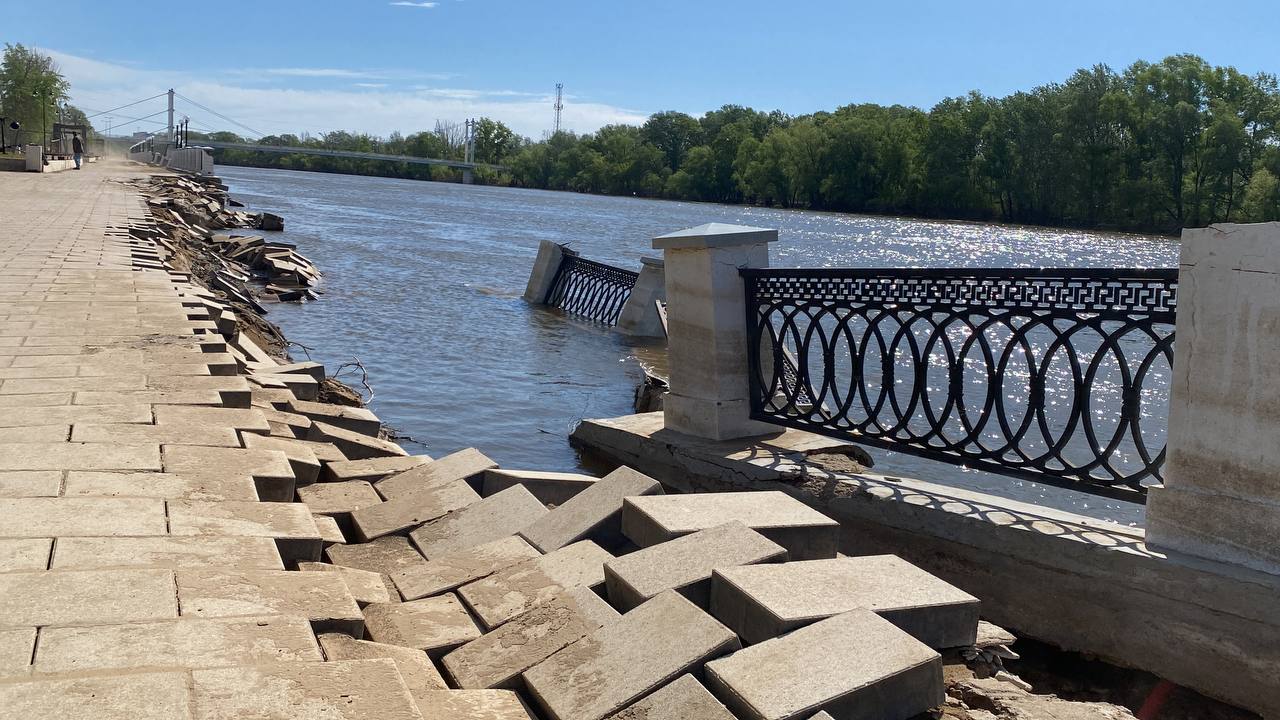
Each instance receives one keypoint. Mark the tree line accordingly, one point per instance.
(1155, 148)
(33, 95)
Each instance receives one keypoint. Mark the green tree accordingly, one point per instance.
(673, 133)
(30, 89)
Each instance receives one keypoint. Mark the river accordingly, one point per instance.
(423, 284)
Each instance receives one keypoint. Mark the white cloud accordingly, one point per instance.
(318, 73)
(278, 108)
(406, 3)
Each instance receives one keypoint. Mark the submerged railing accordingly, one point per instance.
(590, 289)
(1060, 376)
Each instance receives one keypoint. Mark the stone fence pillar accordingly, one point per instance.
(34, 156)
(544, 271)
(1221, 498)
(639, 316)
(706, 319)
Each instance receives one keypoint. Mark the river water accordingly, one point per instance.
(423, 284)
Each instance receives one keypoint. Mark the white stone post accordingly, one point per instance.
(639, 316)
(706, 318)
(544, 271)
(34, 156)
(1221, 498)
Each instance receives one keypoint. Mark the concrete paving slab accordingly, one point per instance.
(330, 533)
(270, 469)
(806, 533)
(359, 420)
(289, 524)
(388, 555)
(82, 483)
(71, 517)
(465, 464)
(686, 563)
(343, 690)
(434, 625)
(683, 699)
(78, 456)
(36, 433)
(472, 705)
(17, 645)
(594, 513)
(627, 659)
(70, 414)
(353, 444)
(365, 586)
(763, 601)
(145, 696)
(491, 518)
(854, 665)
(211, 398)
(515, 589)
(338, 499)
(83, 553)
(321, 597)
(551, 488)
(372, 469)
(181, 643)
(31, 483)
(25, 554)
(250, 420)
(497, 659)
(137, 433)
(415, 667)
(453, 570)
(409, 510)
(305, 457)
(86, 597)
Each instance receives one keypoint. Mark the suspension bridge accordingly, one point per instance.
(205, 117)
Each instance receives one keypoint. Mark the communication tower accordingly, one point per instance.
(559, 105)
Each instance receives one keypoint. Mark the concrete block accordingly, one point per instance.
(145, 696)
(453, 570)
(343, 690)
(25, 554)
(594, 513)
(462, 465)
(410, 509)
(415, 667)
(763, 601)
(513, 590)
(806, 533)
(78, 456)
(86, 597)
(359, 420)
(330, 533)
(138, 412)
(321, 597)
(434, 625)
(71, 517)
(497, 659)
(250, 420)
(83, 483)
(683, 699)
(304, 456)
(181, 643)
(41, 433)
(137, 433)
(82, 553)
(289, 524)
(354, 445)
(472, 705)
(338, 499)
(628, 659)
(371, 469)
(494, 517)
(388, 555)
(285, 424)
(30, 483)
(365, 586)
(686, 563)
(855, 665)
(17, 645)
(551, 488)
(270, 469)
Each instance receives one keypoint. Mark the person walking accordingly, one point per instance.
(77, 148)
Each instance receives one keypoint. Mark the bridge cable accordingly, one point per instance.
(104, 112)
(220, 115)
(145, 118)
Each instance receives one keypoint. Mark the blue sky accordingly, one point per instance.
(378, 66)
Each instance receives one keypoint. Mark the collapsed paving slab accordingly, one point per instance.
(343, 690)
(388, 555)
(181, 643)
(627, 659)
(17, 554)
(686, 564)
(321, 597)
(371, 469)
(270, 469)
(78, 597)
(453, 570)
(17, 645)
(289, 524)
(409, 510)
(359, 420)
(491, 518)
(330, 533)
(763, 601)
(683, 699)
(594, 513)
(80, 517)
(365, 586)
(471, 705)
(806, 533)
(497, 659)
(354, 445)
(855, 665)
(305, 456)
(551, 488)
(462, 465)
(513, 590)
(414, 665)
(434, 625)
(82, 553)
(338, 499)
(80, 483)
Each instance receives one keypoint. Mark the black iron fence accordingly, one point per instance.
(590, 289)
(1060, 376)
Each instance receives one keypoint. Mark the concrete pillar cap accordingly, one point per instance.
(714, 235)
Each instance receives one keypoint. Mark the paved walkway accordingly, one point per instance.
(140, 577)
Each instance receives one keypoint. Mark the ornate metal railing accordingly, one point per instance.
(1054, 375)
(590, 289)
